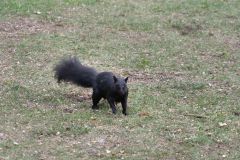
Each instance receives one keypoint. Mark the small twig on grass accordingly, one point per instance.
(236, 113)
(195, 115)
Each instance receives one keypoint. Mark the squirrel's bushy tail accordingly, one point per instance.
(71, 70)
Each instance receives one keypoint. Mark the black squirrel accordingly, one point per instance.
(105, 84)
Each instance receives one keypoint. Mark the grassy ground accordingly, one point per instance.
(182, 57)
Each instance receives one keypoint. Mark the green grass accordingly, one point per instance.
(181, 58)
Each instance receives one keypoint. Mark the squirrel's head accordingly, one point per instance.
(121, 85)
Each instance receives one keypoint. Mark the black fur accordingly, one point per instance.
(71, 70)
(105, 84)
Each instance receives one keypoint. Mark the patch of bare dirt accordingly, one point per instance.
(145, 77)
(217, 150)
(63, 108)
(112, 141)
(233, 43)
(135, 37)
(84, 96)
(12, 32)
(131, 36)
(2, 136)
(6, 68)
(103, 142)
(188, 28)
(19, 27)
(78, 97)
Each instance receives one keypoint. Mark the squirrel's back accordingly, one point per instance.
(104, 81)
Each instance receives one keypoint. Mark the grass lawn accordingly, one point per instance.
(182, 58)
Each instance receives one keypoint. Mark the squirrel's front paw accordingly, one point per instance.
(125, 113)
(114, 111)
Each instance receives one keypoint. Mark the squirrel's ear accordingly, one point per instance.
(126, 79)
(115, 79)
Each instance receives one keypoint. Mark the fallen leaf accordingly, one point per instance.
(93, 118)
(144, 114)
(37, 12)
(122, 151)
(221, 124)
(16, 143)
